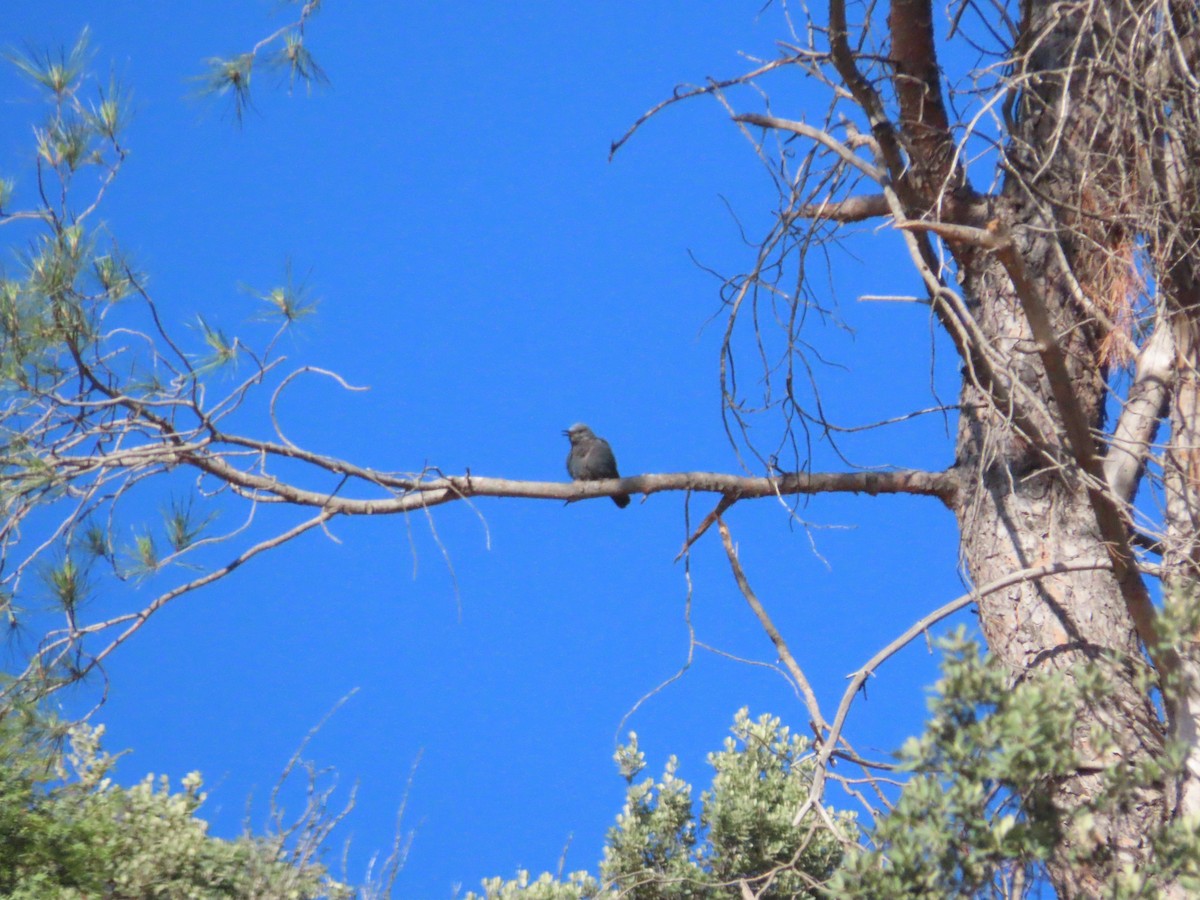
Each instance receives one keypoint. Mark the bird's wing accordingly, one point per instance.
(603, 462)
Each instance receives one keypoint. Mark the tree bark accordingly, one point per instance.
(1085, 259)
(1025, 504)
(1018, 510)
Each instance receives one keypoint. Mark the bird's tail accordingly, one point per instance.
(622, 500)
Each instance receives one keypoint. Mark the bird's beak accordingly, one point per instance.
(566, 434)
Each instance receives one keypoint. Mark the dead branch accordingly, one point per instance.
(824, 138)
(921, 626)
(852, 209)
(723, 504)
(417, 493)
(972, 345)
(690, 91)
(1145, 405)
(764, 619)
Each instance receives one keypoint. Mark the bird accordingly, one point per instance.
(591, 459)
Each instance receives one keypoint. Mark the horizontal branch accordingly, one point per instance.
(419, 494)
(987, 237)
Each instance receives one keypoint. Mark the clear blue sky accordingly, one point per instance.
(493, 279)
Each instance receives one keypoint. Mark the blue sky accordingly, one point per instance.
(493, 278)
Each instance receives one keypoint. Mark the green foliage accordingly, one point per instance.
(762, 779)
(660, 848)
(578, 886)
(652, 850)
(99, 404)
(68, 582)
(978, 816)
(182, 526)
(222, 351)
(296, 59)
(231, 77)
(59, 72)
(144, 558)
(284, 50)
(289, 302)
(977, 807)
(67, 832)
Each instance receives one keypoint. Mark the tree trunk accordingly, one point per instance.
(1085, 259)
(1019, 511)
(1062, 204)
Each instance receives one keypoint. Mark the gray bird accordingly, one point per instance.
(591, 459)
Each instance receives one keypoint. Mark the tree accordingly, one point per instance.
(973, 819)
(69, 832)
(1049, 209)
(743, 838)
(1068, 290)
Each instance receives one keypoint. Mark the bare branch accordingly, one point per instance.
(852, 209)
(689, 91)
(921, 626)
(139, 619)
(781, 647)
(421, 493)
(1129, 446)
(865, 95)
(723, 504)
(824, 138)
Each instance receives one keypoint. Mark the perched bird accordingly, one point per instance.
(591, 459)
